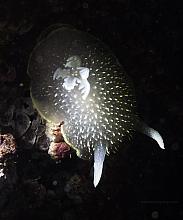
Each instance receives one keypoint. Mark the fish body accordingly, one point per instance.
(76, 78)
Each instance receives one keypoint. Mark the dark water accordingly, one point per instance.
(141, 181)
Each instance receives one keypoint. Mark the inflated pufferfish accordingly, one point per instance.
(75, 78)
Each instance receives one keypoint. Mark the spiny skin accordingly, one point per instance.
(108, 113)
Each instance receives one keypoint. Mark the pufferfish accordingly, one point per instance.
(76, 79)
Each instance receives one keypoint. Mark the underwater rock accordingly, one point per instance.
(22, 123)
(43, 142)
(35, 191)
(6, 115)
(3, 16)
(58, 150)
(7, 72)
(76, 188)
(24, 105)
(7, 145)
(29, 138)
(8, 175)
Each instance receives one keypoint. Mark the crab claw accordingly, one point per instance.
(145, 129)
(99, 156)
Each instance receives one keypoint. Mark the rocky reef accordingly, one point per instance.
(40, 180)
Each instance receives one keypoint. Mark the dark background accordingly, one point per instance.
(141, 181)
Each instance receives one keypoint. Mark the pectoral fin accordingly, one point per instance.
(99, 156)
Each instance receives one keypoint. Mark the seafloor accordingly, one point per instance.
(141, 181)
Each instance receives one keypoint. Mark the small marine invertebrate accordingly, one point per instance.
(75, 78)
